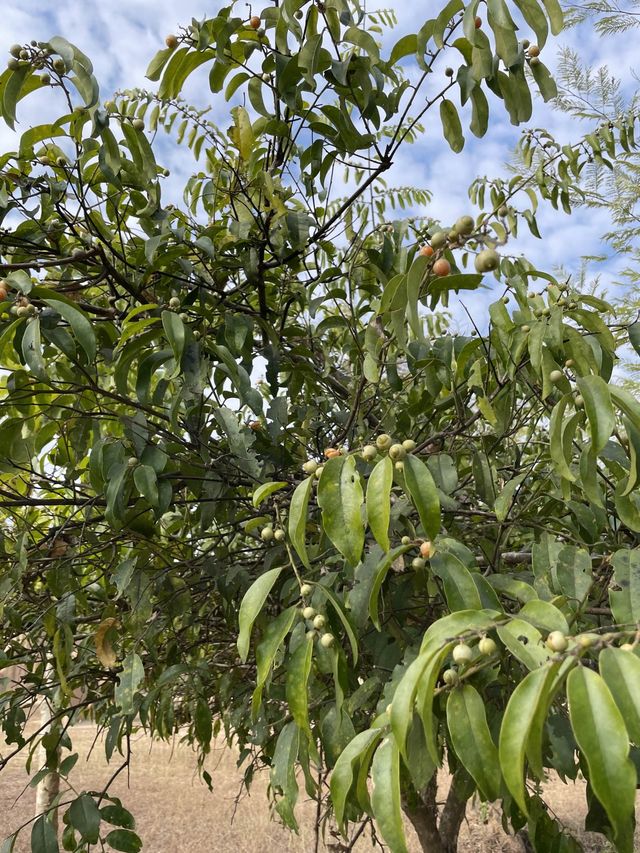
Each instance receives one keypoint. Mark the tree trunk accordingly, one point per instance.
(49, 787)
(439, 836)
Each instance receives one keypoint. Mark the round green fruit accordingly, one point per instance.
(487, 646)
(439, 239)
(557, 642)
(266, 534)
(310, 466)
(137, 124)
(384, 441)
(306, 589)
(369, 452)
(327, 640)
(450, 677)
(279, 535)
(487, 261)
(409, 445)
(319, 621)
(556, 376)
(462, 653)
(308, 612)
(397, 452)
(418, 563)
(464, 225)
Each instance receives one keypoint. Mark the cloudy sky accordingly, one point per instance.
(120, 36)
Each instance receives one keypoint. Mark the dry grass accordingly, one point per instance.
(176, 813)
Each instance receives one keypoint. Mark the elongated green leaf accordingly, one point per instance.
(124, 840)
(266, 650)
(265, 490)
(451, 127)
(601, 735)
(380, 574)
(337, 606)
(425, 697)
(298, 518)
(424, 494)
(176, 335)
(385, 798)
(128, 681)
(556, 443)
(251, 605)
(625, 601)
(378, 501)
(43, 837)
(556, 15)
(517, 722)
(340, 499)
(459, 587)
(146, 481)
(343, 773)
(404, 700)
(544, 616)
(599, 409)
(85, 817)
(32, 348)
(471, 738)
(298, 671)
(621, 672)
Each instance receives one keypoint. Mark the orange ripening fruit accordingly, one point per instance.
(442, 267)
(330, 452)
(427, 251)
(254, 21)
(477, 21)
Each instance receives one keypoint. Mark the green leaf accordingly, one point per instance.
(621, 672)
(634, 336)
(544, 616)
(124, 840)
(128, 681)
(424, 494)
(298, 671)
(43, 837)
(331, 596)
(556, 15)
(524, 642)
(146, 481)
(404, 700)
(298, 518)
(85, 817)
(625, 601)
(599, 409)
(503, 502)
(451, 127)
(265, 490)
(343, 772)
(251, 605)
(385, 798)
(601, 735)
(534, 16)
(340, 499)
(517, 723)
(378, 501)
(404, 47)
(380, 574)
(32, 348)
(459, 587)
(471, 738)
(266, 650)
(425, 697)
(176, 335)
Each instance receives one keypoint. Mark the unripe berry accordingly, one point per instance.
(266, 534)
(569, 363)
(462, 653)
(137, 124)
(586, 641)
(15, 50)
(464, 225)
(319, 621)
(310, 635)
(327, 640)
(132, 462)
(399, 466)
(627, 647)
(487, 646)
(308, 612)
(409, 444)
(557, 642)
(369, 452)
(556, 376)
(174, 302)
(526, 329)
(319, 471)
(306, 589)
(59, 66)
(449, 72)
(450, 677)
(406, 540)
(418, 563)
(397, 452)
(171, 41)
(279, 534)
(534, 61)
(383, 441)
(22, 311)
(310, 466)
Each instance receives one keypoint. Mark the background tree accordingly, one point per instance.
(402, 546)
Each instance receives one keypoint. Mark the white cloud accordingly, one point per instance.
(121, 37)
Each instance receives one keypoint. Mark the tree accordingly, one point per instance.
(402, 546)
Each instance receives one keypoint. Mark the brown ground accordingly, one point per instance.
(176, 813)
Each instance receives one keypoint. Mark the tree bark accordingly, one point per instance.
(439, 836)
(48, 787)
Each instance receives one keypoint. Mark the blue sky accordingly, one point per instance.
(121, 37)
